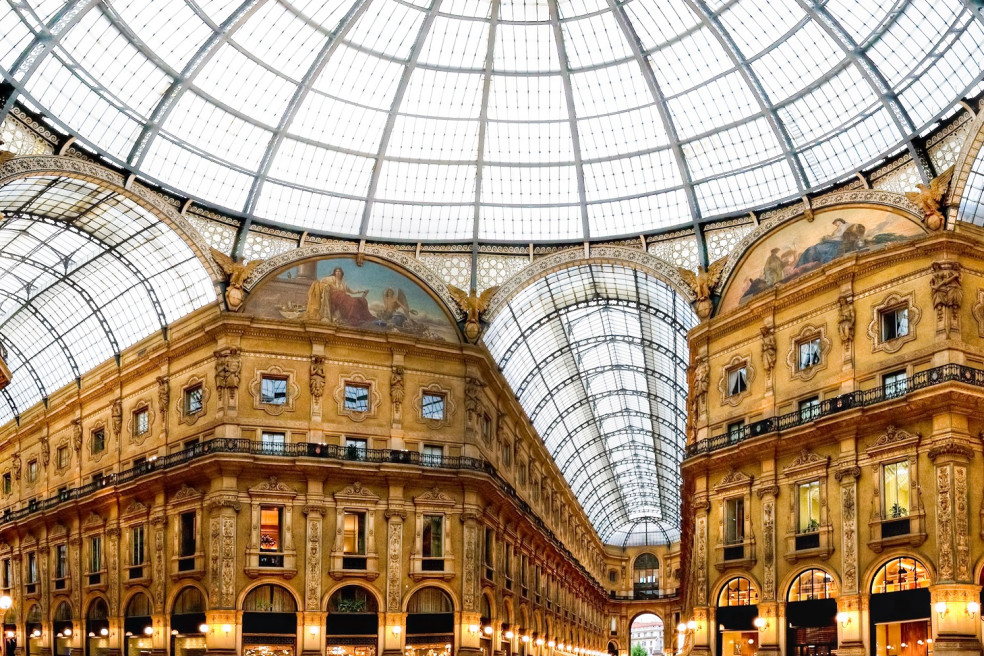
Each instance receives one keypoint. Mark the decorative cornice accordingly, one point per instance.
(768, 490)
(273, 485)
(951, 448)
(852, 471)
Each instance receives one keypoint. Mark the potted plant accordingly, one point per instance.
(898, 511)
(812, 527)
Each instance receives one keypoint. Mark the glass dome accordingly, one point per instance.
(492, 120)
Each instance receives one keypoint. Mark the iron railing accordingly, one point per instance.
(225, 445)
(858, 399)
(646, 595)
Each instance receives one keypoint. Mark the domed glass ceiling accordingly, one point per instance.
(514, 120)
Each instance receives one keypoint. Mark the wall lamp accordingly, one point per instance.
(760, 623)
(681, 628)
(226, 628)
(941, 609)
(396, 630)
(844, 619)
(474, 628)
(692, 625)
(973, 608)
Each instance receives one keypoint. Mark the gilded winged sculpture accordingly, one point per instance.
(473, 305)
(929, 199)
(237, 273)
(703, 284)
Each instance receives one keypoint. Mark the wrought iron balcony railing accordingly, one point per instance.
(858, 399)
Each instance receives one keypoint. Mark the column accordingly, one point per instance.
(850, 623)
(701, 610)
(393, 618)
(314, 618)
(768, 612)
(470, 616)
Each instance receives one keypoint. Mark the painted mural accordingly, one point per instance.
(802, 246)
(337, 291)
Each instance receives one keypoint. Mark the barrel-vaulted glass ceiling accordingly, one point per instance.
(597, 355)
(514, 120)
(84, 273)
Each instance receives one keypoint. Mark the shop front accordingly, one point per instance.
(62, 626)
(188, 625)
(352, 625)
(899, 610)
(736, 612)
(97, 628)
(811, 615)
(138, 626)
(430, 623)
(269, 622)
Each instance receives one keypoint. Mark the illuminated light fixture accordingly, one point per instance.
(397, 630)
(941, 608)
(149, 630)
(525, 638)
(226, 628)
(487, 629)
(540, 641)
(551, 644)
(760, 623)
(128, 634)
(973, 608)
(174, 632)
(6, 602)
(509, 634)
(36, 633)
(313, 630)
(929, 641)
(10, 634)
(560, 646)
(104, 632)
(91, 634)
(203, 628)
(474, 628)
(692, 624)
(681, 628)
(751, 641)
(844, 619)
(67, 632)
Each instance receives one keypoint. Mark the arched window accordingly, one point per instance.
(97, 628)
(430, 600)
(269, 599)
(739, 591)
(62, 622)
(139, 606)
(899, 574)
(136, 622)
(812, 584)
(352, 599)
(430, 621)
(486, 609)
(97, 610)
(63, 613)
(645, 576)
(187, 618)
(190, 600)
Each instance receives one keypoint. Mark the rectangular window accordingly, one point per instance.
(433, 543)
(809, 353)
(32, 568)
(137, 551)
(809, 507)
(489, 552)
(61, 457)
(98, 441)
(356, 397)
(271, 536)
(734, 521)
(61, 561)
(507, 565)
(193, 400)
(809, 409)
(432, 406)
(356, 448)
(141, 421)
(433, 454)
(895, 384)
(95, 555)
(735, 430)
(32, 471)
(354, 542)
(272, 442)
(5, 574)
(273, 390)
(737, 381)
(897, 489)
(487, 429)
(8, 485)
(186, 535)
(894, 323)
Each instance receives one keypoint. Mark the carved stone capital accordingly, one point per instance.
(470, 516)
(223, 502)
(313, 509)
(392, 513)
(853, 472)
(953, 449)
(768, 490)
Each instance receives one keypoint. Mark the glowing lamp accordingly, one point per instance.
(104, 632)
(203, 628)
(149, 630)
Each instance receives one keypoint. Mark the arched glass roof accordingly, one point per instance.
(597, 356)
(511, 120)
(84, 273)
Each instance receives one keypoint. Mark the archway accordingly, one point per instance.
(33, 630)
(62, 627)
(645, 576)
(646, 635)
(737, 608)
(899, 609)
(352, 625)
(97, 628)
(487, 630)
(811, 614)
(269, 622)
(138, 625)
(187, 622)
(430, 622)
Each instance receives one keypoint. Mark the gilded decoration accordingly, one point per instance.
(279, 373)
(181, 413)
(473, 305)
(890, 302)
(341, 291)
(703, 284)
(930, 197)
(236, 274)
(801, 246)
(736, 362)
(350, 409)
(449, 406)
(807, 334)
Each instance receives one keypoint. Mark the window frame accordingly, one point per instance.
(895, 384)
(735, 520)
(815, 489)
(354, 406)
(741, 380)
(433, 397)
(814, 354)
(275, 397)
(188, 394)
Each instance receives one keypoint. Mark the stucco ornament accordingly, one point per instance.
(703, 283)
(236, 275)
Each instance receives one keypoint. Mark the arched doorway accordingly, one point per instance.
(97, 628)
(737, 608)
(899, 608)
(811, 614)
(62, 626)
(187, 622)
(430, 623)
(487, 630)
(646, 635)
(269, 622)
(645, 577)
(138, 625)
(506, 635)
(612, 649)
(33, 630)
(352, 625)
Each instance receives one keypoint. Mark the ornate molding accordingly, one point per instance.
(951, 448)
(273, 485)
(736, 362)
(893, 299)
(850, 472)
(892, 437)
(808, 333)
(449, 406)
(256, 392)
(184, 417)
(185, 493)
(356, 492)
(358, 379)
(434, 497)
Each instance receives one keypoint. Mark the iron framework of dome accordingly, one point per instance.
(492, 120)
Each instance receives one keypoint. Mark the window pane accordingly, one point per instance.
(433, 406)
(357, 398)
(270, 528)
(273, 391)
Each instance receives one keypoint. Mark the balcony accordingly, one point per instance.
(948, 373)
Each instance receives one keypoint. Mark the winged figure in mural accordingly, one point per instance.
(237, 273)
(929, 199)
(473, 305)
(703, 284)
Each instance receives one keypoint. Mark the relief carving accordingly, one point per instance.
(769, 531)
(845, 320)
(313, 584)
(163, 394)
(45, 450)
(77, 434)
(228, 597)
(214, 559)
(393, 566)
(317, 382)
(849, 539)
(228, 370)
(947, 295)
(962, 523)
(470, 562)
(396, 390)
(944, 526)
(768, 349)
(116, 411)
(700, 554)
